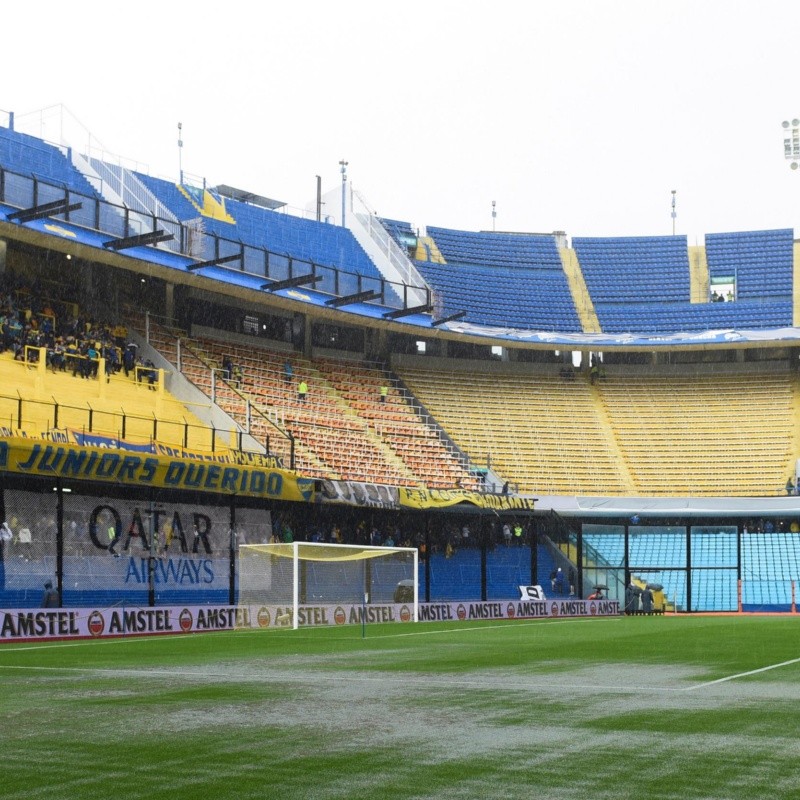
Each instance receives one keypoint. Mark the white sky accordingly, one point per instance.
(574, 115)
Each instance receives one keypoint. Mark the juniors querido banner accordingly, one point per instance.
(90, 463)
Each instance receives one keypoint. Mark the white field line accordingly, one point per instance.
(743, 674)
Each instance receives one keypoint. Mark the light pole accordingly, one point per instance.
(343, 165)
(180, 152)
(674, 213)
(791, 142)
(494, 214)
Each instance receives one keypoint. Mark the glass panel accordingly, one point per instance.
(507, 568)
(107, 547)
(770, 564)
(714, 546)
(28, 559)
(714, 590)
(612, 579)
(672, 583)
(603, 545)
(656, 546)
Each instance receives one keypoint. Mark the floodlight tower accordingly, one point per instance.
(791, 142)
(674, 212)
(343, 165)
(494, 214)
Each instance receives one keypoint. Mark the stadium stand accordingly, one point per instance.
(642, 284)
(534, 428)
(34, 157)
(284, 235)
(342, 429)
(521, 279)
(701, 434)
(761, 263)
(710, 425)
(671, 434)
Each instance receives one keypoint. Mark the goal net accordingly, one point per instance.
(309, 583)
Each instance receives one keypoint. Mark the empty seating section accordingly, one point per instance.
(665, 318)
(533, 251)
(401, 232)
(335, 442)
(341, 429)
(694, 435)
(536, 430)
(634, 269)
(171, 196)
(641, 284)
(302, 240)
(761, 262)
(649, 435)
(506, 280)
(664, 548)
(30, 156)
(396, 422)
(509, 298)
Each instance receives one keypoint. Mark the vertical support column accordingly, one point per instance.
(60, 542)
(169, 300)
(307, 336)
(295, 584)
(416, 584)
(483, 536)
(232, 556)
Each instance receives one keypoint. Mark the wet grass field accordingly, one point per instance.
(661, 707)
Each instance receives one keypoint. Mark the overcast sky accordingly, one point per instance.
(573, 115)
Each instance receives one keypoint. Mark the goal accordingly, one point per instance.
(310, 583)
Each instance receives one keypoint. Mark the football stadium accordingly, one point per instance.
(333, 505)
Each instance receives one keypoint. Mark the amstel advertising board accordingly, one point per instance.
(17, 625)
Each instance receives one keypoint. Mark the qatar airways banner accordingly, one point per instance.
(19, 625)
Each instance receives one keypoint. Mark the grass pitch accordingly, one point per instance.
(655, 707)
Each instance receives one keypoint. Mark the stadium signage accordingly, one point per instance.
(29, 457)
(445, 498)
(86, 623)
(380, 496)
(40, 624)
(26, 625)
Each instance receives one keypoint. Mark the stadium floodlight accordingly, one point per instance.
(791, 142)
(312, 583)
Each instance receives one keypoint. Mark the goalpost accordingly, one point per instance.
(311, 583)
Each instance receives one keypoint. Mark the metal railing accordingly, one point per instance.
(120, 221)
